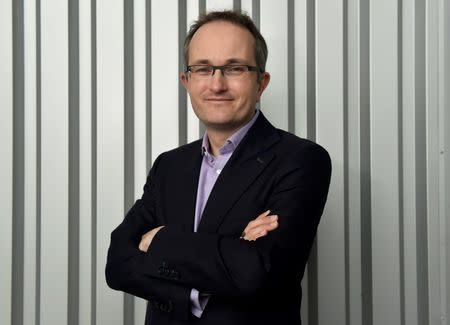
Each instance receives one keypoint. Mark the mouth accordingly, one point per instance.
(218, 99)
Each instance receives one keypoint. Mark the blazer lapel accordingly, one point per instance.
(249, 159)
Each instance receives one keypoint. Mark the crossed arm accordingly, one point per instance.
(255, 229)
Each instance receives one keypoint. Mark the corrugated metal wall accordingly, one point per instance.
(89, 96)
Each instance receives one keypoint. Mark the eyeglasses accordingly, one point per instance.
(203, 71)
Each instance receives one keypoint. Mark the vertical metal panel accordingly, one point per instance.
(432, 145)
(110, 144)
(330, 116)
(165, 100)
(148, 85)
(410, 106)
(246, 6)
(18, 157)
(29, 312)
(274, 102)
(354, 279)
(384, 173)
(443, 61)
(73, 294)
(6, 153)
(85, 275)
(140, 168)
(182, 94)
(128, 83)
(301, 67)
(54, 187)
(302, 39)
(192, 120)
(444, 11)
(218, 5)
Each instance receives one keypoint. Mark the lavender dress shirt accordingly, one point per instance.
(209, 172)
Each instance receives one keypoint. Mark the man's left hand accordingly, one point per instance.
(147, 239)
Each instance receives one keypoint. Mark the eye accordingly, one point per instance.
(235, 69)
(201, 69)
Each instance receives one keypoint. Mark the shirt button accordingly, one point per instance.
(218, 171)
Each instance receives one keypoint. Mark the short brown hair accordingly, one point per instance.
(234, 17)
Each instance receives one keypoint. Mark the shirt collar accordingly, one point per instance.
(233, 141)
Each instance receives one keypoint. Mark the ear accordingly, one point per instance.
(184, 80)
(263, 82)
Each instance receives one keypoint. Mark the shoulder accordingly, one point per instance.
(294, 147)
(176, 155)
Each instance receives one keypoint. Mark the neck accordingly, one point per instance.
(217, 139)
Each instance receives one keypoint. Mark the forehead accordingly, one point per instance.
(222, 41)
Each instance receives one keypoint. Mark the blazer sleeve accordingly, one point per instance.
(226, 266)
(125, 260)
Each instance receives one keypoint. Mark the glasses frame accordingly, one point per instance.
(222, 68)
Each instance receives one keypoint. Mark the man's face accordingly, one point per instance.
(223, 102)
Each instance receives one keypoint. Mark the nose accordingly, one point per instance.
(218, 81)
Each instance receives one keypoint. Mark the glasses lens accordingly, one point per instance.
(234, 70)
(201, 70)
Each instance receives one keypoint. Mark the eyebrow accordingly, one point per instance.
(229, 61)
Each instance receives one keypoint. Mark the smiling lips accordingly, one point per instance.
(218, 99)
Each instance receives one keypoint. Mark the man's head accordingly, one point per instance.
(236, 18)
(225, 74)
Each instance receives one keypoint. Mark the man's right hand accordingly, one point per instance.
(260, 226)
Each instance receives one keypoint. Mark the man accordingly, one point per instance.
(191, 245)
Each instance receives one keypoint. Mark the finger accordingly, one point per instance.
(264, 214)
(261, 230)
(262, 221)
(255, 236)
(267, 226)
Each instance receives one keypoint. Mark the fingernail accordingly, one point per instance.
(274, 217)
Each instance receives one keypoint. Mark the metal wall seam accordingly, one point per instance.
(73, 303)
(18, 164)
(365, 172)
(6, 158)
(445, 38)
(38, 161)
(128, 111)
(432, 154)
(182, 95)
(148, 85)
(110, 147)
(420, 161)
(410, 106)
(313, 300)
(443, 14)
(400, 159)
(85, 165)
(140, 169)
(330, 114)
(353, 158)
(29, 308)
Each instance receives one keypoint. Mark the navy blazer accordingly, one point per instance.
(250, 282)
